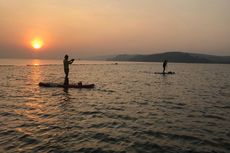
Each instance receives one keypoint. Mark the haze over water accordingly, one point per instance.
(50, 29)
(131, 109)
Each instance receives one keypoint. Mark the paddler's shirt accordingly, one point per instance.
(66, 64)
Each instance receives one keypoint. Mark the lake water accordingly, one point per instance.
(130, 110)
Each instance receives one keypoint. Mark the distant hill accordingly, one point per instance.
(178, 57)
(99, 57)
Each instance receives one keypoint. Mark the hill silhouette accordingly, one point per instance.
(177, 57)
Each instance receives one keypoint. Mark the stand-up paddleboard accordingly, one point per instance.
(79, 86)
(170, 72)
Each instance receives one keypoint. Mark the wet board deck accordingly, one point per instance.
(43, 84)
(165, 73)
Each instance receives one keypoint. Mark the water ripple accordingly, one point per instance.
(131, 110)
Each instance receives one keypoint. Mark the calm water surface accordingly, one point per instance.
(131, 109)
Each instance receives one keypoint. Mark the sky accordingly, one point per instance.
(87, 28)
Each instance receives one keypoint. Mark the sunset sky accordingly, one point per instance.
(82, 28)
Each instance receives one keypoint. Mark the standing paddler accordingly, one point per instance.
(66, 64)
(164, 65)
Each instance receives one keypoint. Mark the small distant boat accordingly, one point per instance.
(170, 72)
(79, 85)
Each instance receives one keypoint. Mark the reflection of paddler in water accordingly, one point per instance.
(66, 64)
(164, 65)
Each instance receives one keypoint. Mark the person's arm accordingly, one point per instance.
(71, 61)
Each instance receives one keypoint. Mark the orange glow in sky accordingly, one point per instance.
(110, 27)
(37, 43)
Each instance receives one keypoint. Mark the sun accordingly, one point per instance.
(37, 43)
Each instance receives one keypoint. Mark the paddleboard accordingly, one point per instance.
(43, 84)
(165, 73)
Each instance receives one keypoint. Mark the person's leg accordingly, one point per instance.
(66, 82)
(66, 73)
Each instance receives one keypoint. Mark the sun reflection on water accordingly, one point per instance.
(35, 74)
(36, 62)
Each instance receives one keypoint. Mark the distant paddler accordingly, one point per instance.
(66, 64)
(164, 65)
